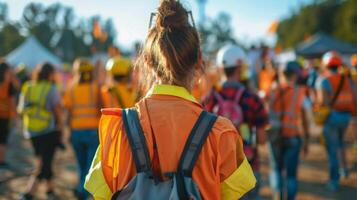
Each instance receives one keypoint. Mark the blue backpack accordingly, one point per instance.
(180, 184)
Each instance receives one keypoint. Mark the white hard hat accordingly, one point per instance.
(230, 56)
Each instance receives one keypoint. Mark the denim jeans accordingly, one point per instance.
(334, 134)
(285, 158)
(85, 143)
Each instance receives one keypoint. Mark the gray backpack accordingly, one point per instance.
(180, 185)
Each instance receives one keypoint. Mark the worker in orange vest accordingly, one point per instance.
(163, 120)
(288, 125)
(7, 107)
(82, 100)
(119, 94)
(266, 78)
(353, 74)
(337, 94)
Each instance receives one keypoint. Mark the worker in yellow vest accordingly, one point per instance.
(82, 100)
(7, 107)
(119, 93)
(40, 106)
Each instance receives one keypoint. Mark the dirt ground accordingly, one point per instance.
(313, 172)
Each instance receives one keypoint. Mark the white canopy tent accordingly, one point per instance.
(31, 53)
(284, 57)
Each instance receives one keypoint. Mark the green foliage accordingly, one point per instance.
(9, 35)
(346, 22)
(57, 28)
(216, 33)
(9, 38)
(334, 17)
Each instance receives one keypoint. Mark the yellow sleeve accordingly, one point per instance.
(240, 182)
(95, 182)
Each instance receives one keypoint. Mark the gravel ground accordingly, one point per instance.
(313, 172)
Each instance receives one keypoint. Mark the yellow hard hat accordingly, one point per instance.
(82, 65)
(118, 66)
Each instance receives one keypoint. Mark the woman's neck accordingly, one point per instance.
(188, 88)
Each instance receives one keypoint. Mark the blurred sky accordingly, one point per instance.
(250, 18)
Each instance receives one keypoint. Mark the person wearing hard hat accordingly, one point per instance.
(82, 100)
(353, 75)
(119, 94)
(244, 108)
(287, 126)
(339, 97)
(40, 106)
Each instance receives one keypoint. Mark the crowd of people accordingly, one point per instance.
(148, 132)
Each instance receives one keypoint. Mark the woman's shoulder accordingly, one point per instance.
(224, 125)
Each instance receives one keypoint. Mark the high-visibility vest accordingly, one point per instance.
(84, 108)
(293, 98)
(354, 79)
(344, 101)
(266, 79)
(116, 162)
(118, 96)
(36, 117)
(5, 101)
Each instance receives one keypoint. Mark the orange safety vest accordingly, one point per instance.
(169, 118)
(83, 101)
(119, 96)
(344, 101)
(5, 101)
(266, 79)
(354, 79)
(293, 99)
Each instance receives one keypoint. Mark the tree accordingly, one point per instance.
(9, 32)
(216, 33)
(3, 13)
(9, 38)
(335, 17)
(346, 22)
(58, 29)
(38, 21)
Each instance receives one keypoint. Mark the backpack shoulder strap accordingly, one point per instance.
(239, 95)
(218, 96)
(338, 91)
(136, 139)
(195, 142)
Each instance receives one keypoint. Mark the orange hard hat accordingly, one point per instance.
(354, 60)
(331, 59)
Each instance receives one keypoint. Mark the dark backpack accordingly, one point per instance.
(180, 185)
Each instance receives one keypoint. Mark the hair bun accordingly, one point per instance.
(171, 15)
